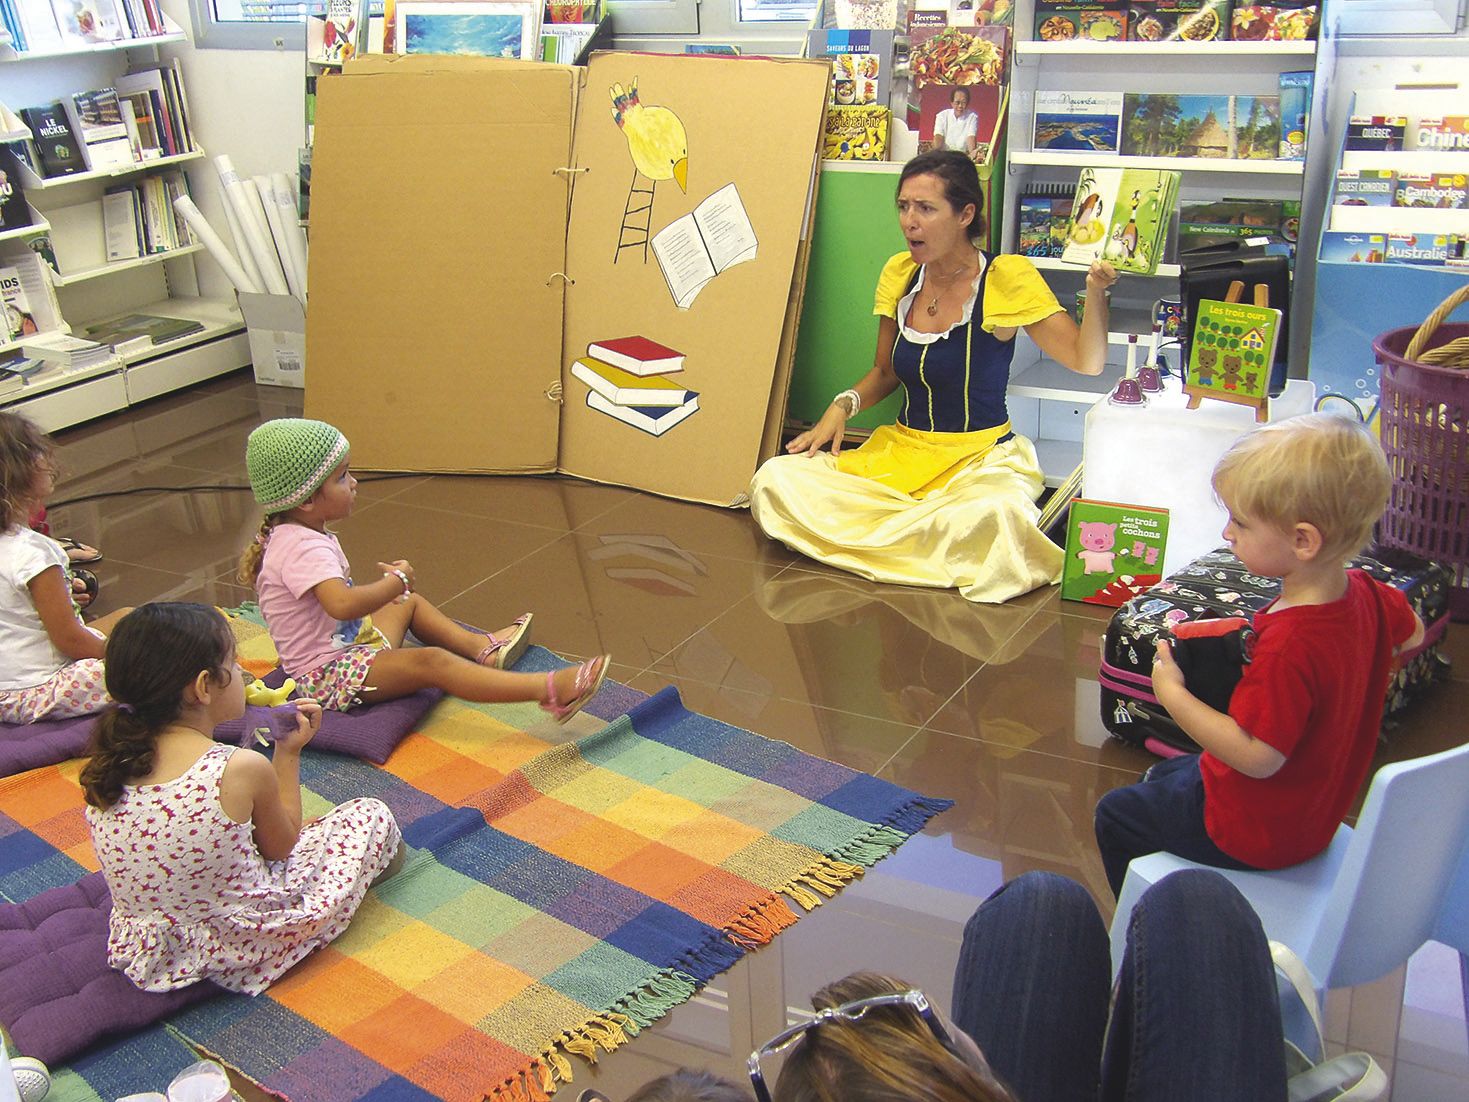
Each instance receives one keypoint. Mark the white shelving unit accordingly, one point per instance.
(1047, 402)
(89, 288)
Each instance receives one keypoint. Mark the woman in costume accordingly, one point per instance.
(945, 497)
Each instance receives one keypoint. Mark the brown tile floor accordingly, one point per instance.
(995, 708)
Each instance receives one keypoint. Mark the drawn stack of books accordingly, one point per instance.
(629, 380)
(1402, 195)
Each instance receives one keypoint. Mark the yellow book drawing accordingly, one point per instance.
(623, 388)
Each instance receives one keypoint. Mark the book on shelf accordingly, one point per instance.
(562, 43)
(725, 48)
(1444, 133)
(160, 330)
(572, 11)
(867, 15)
(120, 222)
(88, 22)
(1350, 246)
(1365, 187)
(1088, 121)
(96, 119)
(20, 314)
(855, 133)
(1201, 224)
(623, 388)
(654, 420)
(162, 87)
(978, 116)
(637, 355)
(861, 61)
(57, 151)
(1178, 20)
(1442, 190)
(15, 212)
(1114, 551)
(941, 54)
(33, 26)
(343, 32)
(1082, 22)
(1044, 214)
(1121, 215)
(1221, 126)
(1376, 133)
(63, 348)
(16, 369)
(1272, 23)
(1424, 248)
(981, 13)
(1295, 113)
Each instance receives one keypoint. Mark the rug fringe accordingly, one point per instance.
(760, 923)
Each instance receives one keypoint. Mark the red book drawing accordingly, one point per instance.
(638, 355)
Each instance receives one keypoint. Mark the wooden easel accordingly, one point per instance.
(1262, 404)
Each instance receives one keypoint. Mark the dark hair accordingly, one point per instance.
(889, 1055)
(960, 90)
(960, 180)
(153, 654)
(23, 448)
(688, 1085)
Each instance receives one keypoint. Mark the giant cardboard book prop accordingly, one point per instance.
(478, 225)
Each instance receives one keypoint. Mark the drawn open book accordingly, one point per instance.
(694, 249)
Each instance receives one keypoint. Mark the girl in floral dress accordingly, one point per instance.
(212, 874)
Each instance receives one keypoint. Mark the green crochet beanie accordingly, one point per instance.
(289, 458)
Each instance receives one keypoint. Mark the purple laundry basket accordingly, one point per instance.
(1425, 433)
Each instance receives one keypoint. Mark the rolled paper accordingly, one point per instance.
(266, 195)
(237, 235)
(214, 246)
(285, 199)
(275, 272)
(253, 228)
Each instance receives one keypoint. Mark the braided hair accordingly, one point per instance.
(254, 553)
(153, 655)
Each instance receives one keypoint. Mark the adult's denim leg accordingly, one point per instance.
(1164, 812)
(1032, 985)
(1196, 1015)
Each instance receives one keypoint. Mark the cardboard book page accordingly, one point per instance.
(686, 221)
(438, 227)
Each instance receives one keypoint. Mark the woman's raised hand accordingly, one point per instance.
(830, 428)
(1100, 276)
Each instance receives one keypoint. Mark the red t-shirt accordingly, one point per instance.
(1313, 690)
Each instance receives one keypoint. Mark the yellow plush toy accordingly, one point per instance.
(258, 694)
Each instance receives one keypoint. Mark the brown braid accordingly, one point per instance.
(153, 654)
(254, 553)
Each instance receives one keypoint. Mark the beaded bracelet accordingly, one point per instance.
(856, 406)
(407, 586)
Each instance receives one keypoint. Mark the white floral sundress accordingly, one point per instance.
(193, 899)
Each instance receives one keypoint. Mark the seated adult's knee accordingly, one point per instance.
(1194, 892)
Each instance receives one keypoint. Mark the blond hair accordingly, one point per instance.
(254, 552)
(1319, 469)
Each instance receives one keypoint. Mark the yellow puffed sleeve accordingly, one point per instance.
(1015, 294)
(892, 285)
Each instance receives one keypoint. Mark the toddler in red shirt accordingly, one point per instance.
(1283, 765)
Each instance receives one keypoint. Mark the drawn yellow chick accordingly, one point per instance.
(655, 136)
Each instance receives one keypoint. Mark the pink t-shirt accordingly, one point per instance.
(297, 559)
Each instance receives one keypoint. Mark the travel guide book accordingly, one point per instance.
(1121, 215)
(1113, 551)
(1087, 121)
(1173, 125)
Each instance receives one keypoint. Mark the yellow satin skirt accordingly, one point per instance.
(915, 508)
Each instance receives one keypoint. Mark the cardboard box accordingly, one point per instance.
(277, 329)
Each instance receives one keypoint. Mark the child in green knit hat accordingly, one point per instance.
(319, 618)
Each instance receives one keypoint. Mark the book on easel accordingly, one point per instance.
(1233, 350)
(676, 220)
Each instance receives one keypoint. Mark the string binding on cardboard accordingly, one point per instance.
(570, 171)
(569, 281)
(555, 391)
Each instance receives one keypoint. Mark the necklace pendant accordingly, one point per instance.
(933, 307)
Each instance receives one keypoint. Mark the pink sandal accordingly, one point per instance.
(589, 677)
(500, 653)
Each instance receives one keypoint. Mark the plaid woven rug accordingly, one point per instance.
(557, 899)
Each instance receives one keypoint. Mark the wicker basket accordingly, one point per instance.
(1425, 432)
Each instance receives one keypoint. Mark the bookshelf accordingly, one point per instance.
(1048, 403)
(85, 287)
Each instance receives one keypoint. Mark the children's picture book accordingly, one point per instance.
(1121, 215)
(692, 250)
(20, 318)
(856, 133)
(637, 355)
(1440, 190)
(623, 388)
(57, 149)
(979, 113)
(1352, 247)
(1443, 132)
(1114, 551)
(939, 54)
(1086, 121)
(1232, 351)
(1171, 125)
(1295, 113)
(862, 63)
(1365, 187)
(1377, 133)
(15, 212)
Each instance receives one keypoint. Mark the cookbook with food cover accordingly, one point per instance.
(861, 61)
(940, 54)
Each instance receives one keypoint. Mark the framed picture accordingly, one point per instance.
(484, 28)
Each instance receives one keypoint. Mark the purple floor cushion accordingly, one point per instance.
(31, 745)
(58, 996)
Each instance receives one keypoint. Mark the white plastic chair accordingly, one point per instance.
(1363, 907)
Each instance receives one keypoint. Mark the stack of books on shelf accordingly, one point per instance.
(1405, 197)
(139, 220)
(16, 370)
(71, 353)
(135, 333)
(1167, 124)
(628, 379)
(55, 26)
(142, 117)
(1174, 21)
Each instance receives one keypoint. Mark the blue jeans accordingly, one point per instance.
(1194, 1016)
(1162, 812)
